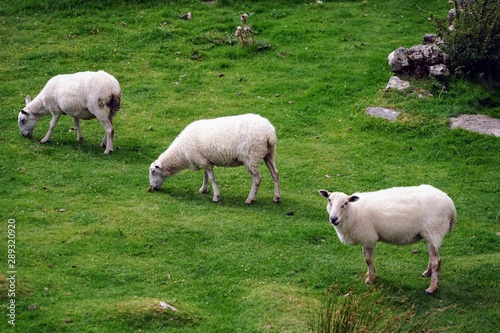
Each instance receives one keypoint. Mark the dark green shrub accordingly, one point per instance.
(474, 42)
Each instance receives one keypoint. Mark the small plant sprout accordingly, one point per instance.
(245, 33)
(239, 34)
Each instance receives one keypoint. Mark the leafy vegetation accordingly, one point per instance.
(474, 42)
(97, 253)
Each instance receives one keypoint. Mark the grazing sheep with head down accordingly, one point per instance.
(399, 216)
(228, 142)
(84, 95)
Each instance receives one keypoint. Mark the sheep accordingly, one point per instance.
(83, 95)
(227, 142)
(398, 216)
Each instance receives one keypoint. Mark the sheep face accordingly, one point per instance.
(157, 176)
(338, 205)
(27, 122)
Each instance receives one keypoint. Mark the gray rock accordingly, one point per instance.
(418, 60)
(439, 70)
(429, 39)
(426, 55)
(380, 112)
(398, 61)
(477, 123)
(452, 14)
(396, 83)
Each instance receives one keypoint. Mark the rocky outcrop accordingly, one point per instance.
(420, 60)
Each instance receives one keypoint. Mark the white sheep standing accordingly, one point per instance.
(83, 95)
(228, 142)
(399, 216)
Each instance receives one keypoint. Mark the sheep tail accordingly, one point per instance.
(271, 147)
(114, 103)
(453, 219)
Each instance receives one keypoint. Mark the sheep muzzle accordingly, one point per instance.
(154, 188)
(334, 220)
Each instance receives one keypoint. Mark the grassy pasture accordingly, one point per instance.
(95, 252)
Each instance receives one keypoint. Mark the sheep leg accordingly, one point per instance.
(204, 187)
(108, 138)
(256, 178)
(104, 141)
(274, 173)
(210, 174)
(428, 271)
(368, 253)
(53, 122)
(78, 130)
(434, 267)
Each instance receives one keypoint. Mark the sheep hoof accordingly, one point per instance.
(426, 274)
(203, 190)
(44, 141)
(276, 199)
(249, 201)
(369, 280)
(430, 292)
(215, 200)
(107, 152)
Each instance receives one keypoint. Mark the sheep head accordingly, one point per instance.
(157, 175)
(27, 120)
(338, 205)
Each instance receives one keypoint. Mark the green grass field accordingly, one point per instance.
(96, 252)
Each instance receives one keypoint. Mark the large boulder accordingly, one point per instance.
(399, 61)
(420, 60)
(426, 55)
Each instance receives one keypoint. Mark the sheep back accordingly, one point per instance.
(226, 141)
(82, 91)
(400, 215)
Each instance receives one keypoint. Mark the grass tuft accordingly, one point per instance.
(369, 311)
(140, 312)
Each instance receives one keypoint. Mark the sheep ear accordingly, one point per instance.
(324, 193)
(353, 198)
(27, 100)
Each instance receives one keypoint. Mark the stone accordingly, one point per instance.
(396, 83)
(452, 14)
(380, 112)
(477, 123)
(429, 39)
(398, 61)
(429, 54)
(418, 60)
(439, 70)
